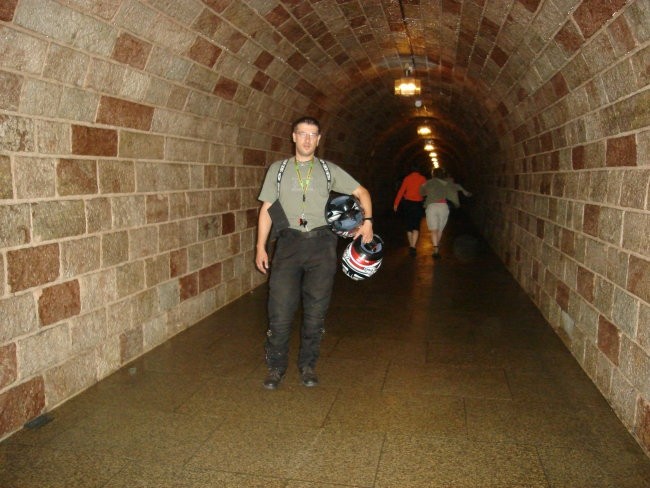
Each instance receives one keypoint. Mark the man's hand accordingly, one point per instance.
(365, 231)
(262, 260)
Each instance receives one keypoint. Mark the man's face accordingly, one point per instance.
(306, 137)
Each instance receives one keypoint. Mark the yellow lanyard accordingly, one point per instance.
(304, 184)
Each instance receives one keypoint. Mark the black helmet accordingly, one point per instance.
(361, 261)
(343, 215)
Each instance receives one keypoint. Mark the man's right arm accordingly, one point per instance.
(263, 230)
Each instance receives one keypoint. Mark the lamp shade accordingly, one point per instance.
(407, 86)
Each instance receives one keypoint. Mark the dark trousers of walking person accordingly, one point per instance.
(412, 212)
(303, 268)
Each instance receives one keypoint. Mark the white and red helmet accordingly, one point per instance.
(361, 261)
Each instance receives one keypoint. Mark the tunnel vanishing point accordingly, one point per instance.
(134, 136)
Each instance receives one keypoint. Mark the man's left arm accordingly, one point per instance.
(365, 231)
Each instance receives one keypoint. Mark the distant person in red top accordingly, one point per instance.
(411, 208)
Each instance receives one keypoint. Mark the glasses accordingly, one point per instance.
(307, 135)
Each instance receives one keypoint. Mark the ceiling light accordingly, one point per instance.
(424, 130)
(408, 85)
(428, 146)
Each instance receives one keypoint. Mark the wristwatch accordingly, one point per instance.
(369, 218)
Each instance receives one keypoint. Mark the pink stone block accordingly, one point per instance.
(131, 50)
(21, 404)
(34, 266)
(189, 286)
(91, 141)
(209, 277)
(59, 302)
(609, 339)
(114, 111)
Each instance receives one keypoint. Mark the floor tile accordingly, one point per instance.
(38, 467)
(257, 449)
(485, 355)
(374, 348)
(343, 457)
(448, 380)
(398, 413)
(139, 475)
(136, 387)
(148, 436)
(292, 451)
(419, 461)
(241, 402)
(367, 375)
(530, 422)
(237, 362)
(579, 468)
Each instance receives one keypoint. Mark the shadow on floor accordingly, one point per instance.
(433, 374)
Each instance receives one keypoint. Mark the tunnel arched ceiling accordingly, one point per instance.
(272, 60)
(342, 58)
(362, 47)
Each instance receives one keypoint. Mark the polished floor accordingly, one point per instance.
(433, 374)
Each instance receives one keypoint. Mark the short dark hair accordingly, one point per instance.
(439, 173)
(305, 120)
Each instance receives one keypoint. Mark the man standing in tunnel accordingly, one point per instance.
(294, 196)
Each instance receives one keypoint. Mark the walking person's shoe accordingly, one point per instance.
(273, 379)
(412, 251)
(436, 252)
(308, 377)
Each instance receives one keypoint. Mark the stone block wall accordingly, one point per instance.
(569, 209)
(130, 162)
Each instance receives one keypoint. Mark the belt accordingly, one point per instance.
(323, 230)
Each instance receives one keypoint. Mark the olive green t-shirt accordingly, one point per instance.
(316, 195)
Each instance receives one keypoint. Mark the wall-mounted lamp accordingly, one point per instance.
(408, 85)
